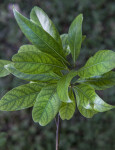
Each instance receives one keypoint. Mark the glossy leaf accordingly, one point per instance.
(101, 82)
(103, 61)
(47, 105)
(4, 72)
(39, 37)
(88, 102)
(75, 37)
(63, 85)
(21, 97)
(41, 19)
(45, 77)
(36, 62)
(65, 44)
(67, 109)
(27, 48)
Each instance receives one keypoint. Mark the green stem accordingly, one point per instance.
(57, 131)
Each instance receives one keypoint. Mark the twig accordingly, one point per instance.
(57, 131)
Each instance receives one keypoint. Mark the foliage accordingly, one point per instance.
(46, 55)
(100, 30)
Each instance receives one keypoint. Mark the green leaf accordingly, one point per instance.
(67, 109)
(46, 106)
(88, 102)
(21, 97)
(102, 62)
(3, 71)
(45, 77)
(65, 44)
(41, 19)
(36, 62)
(63, 85)
(39, 37)
(75, 37)
(27, 48)
(101, 82)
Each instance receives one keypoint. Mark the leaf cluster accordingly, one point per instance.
(53, 86)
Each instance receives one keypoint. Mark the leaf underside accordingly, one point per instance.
(67, 109)
(88, 102)
(64, 83)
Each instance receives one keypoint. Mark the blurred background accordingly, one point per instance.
(17, 130)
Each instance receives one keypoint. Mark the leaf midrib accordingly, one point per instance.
(84, 68)
(21, 97)
(45, 42)
(74, 45)
(41, 64)
(49, 101)
(97, 80)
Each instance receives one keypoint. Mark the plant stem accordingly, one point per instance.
(57, 131)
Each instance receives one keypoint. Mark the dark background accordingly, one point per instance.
(17, 130)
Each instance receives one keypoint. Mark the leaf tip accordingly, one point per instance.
(14, 9)
(81, 16)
